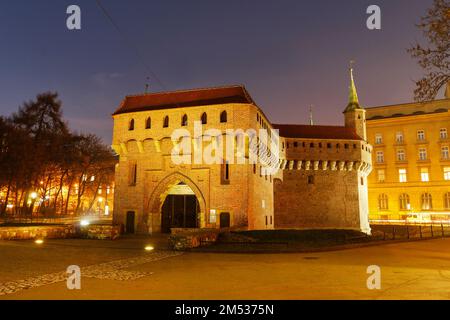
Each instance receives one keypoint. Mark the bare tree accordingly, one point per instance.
(433, 58)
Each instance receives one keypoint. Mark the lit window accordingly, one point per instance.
(447, 200)
(427, 201)
(402, 176)
(401, 155)
(404, 202)
(380, 156)
(399, 137)
(444, 153)
(443, 133)
(420, 135)
(381, 176)
(447, 173)
(424, 175)
(383, 203)
(422, 154)
(378, 139)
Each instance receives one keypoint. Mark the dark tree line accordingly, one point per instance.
(44, 167)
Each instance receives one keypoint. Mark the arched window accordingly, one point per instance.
(404, 202)
(427, 201)
(204, 118)
(166, 122)
(383, 202)
(223, 117)
(447, 200)
(148, 123)
(184, 121)
(131, 125)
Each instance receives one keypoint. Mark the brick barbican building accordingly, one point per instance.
(320, 182)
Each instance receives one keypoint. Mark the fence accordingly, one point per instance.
(410, 231)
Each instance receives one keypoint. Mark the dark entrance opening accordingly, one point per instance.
(179, 211)
(225, 220)
(129, 226)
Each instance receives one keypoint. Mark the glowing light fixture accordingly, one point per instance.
(84, 223)
(39, 241)
(34, 195)
(149, 248)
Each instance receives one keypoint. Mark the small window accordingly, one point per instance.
(310, 179)
(132, 174)
(447, 200)
(362, 181)
(427, 201)
(204, 118)
(378, 138)
(131, 125)
(381, 175)
(404, 202)
(420, 135)
(311, 145)
(399, 137)
(445, 153)
(424, 175)
(401, 155)
(223, 117)
(295, 144)
(443, 133)
(148, 123)
(166, 122)
(225, 173)
(329, 145)
(380, 157)
(422, 154)
(184, 121)
(447, 173)
(383, 202)
(402, 175)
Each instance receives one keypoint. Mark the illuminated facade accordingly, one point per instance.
(410, 180)
(321, 181)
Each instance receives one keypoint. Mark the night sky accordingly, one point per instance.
(289, 54)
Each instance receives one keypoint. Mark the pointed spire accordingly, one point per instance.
(353, 101)
(311, 121)
(147, 85)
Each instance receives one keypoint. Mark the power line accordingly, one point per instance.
(130, 44)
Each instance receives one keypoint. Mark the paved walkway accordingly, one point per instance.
(415, 270)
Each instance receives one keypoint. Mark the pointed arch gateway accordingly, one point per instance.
(176, 202)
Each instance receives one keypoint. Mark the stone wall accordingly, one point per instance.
(330, 201)
(102, 232)
(99, 232)
(35, 232)
(188, 239)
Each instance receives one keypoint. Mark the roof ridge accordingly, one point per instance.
(187, 90)
(308, 125)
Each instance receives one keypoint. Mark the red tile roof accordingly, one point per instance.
(316, 132)
(184, 98)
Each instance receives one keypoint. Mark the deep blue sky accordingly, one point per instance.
(288, 54)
